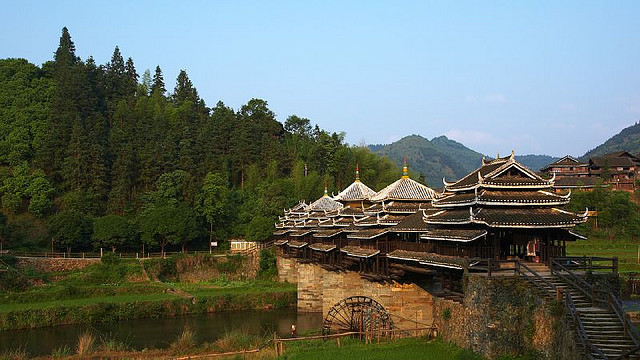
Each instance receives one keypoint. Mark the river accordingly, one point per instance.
(159, 333)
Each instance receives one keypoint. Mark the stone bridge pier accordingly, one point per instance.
(319, 290)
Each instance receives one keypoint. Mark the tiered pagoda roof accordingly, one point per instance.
(405, 189)
(357, 191)
(500, 194)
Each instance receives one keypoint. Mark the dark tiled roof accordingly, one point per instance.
(297, 244)
(425, 258)
(281, 232)
(576, 182)
(536, 197)
(351, 211)
(516, 181)
(358, 251)
(454, 216)
(614, 161)
(374, 209)
(501, 173)
(461, 235)
(411, 223)
(280, 242)
(367, 221)
(327, 233)
(527, 217)
(472, 179)
(566, 161)
(317, 215)
(345, 221)
(405, 207)
(390, 219)
(368, 234)
(322, 247)
(301, 232)
(456, 199)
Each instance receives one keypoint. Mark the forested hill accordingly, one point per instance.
(99, 156)
(444, 157)
(626, 140)
(432, 159)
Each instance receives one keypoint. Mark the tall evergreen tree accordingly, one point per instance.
(158, 82)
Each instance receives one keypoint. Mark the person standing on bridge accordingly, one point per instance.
(293, 330)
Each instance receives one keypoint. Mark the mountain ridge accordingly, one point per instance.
(442, 157)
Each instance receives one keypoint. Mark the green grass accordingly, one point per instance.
(85, 301)
(625, 249)
(402, 349)
(405, 349)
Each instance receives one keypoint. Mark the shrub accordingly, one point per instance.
(110, 258)
(267, 266)
(446, 314)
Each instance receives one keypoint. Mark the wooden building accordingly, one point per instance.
(618, 170)
(500, 210)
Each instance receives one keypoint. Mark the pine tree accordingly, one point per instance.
(158, 82)
(132, 78)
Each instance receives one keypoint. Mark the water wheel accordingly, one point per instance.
(357, 313)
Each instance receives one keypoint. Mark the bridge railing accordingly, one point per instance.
(583, 340)
(587, 263)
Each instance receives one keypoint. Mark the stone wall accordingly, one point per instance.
(319, 290)
(311, 292)
(407, 303)
(503, 316)
(54, 265)
(287, 269)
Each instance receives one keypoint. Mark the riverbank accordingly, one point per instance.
(234, 343)
(116, 289)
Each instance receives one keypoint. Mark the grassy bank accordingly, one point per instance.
(115, 289)
(138, 306)
(350, 348)
(598, 244)
(405, 349)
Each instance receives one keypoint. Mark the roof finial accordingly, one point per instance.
(513, 155)
(405, 170)
(325, 188)
(357, 173)
(498, 156)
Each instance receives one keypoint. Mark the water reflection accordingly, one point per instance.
(159, 333)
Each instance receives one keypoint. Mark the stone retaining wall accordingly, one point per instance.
(54, 264)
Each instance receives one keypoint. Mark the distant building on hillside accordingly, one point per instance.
(618, 170)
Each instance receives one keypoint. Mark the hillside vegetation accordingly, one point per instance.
(626, 140)
(431, 160)
(100, 156)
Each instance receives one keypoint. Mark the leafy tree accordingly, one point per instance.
(213, 201)
(113, 231)
(168, 224)
(70, 229)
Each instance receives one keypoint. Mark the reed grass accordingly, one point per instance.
(86, 343)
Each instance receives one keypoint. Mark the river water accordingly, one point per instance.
(159, 333)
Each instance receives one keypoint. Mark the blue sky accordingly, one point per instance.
(535, 76)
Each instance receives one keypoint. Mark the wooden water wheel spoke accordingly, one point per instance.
(356, 313)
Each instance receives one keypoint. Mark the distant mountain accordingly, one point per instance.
(626, 140)
(443, 157)
(535, 162)
(440, 157)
